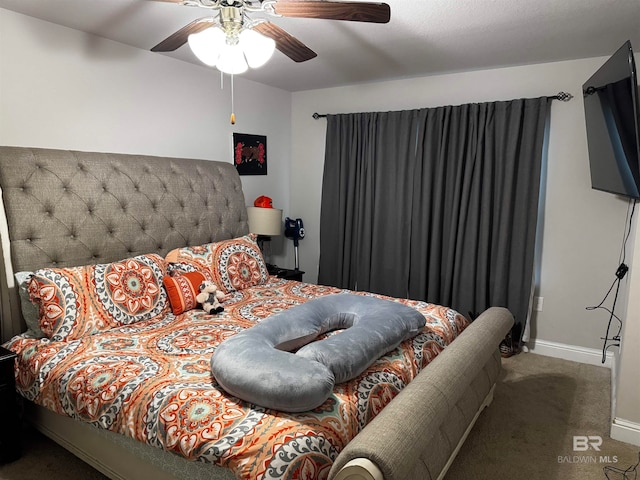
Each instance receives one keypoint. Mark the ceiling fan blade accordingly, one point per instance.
(179, 38)
(351, 11)
(286, 43)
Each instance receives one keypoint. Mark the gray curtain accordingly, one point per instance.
(435, 204)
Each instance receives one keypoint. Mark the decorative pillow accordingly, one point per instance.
(191, 259)
(182, 291)
(78, 301)
(232, 265)
(29, 309)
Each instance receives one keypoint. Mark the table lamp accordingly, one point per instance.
(266, 222)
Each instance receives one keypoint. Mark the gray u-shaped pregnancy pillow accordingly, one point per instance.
(259, 364)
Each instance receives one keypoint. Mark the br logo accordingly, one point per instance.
(582, 443)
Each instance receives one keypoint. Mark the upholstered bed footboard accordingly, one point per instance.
(417, 435)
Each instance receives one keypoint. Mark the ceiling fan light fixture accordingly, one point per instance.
(207, 45)
(257, 48)
(230, 18)
(231, 53)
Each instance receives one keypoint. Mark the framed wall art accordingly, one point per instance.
(250, 154)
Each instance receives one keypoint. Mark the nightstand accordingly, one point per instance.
(285, 273)
(10, 449)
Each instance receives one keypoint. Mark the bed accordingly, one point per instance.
(136, 398)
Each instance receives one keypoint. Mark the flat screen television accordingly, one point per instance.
(612, 117)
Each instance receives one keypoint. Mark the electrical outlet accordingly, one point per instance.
(537, 303)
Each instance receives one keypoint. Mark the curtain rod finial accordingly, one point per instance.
(564, 96)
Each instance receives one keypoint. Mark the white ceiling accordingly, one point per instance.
(424, 37)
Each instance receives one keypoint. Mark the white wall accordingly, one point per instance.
(61, 88)
(582, 228)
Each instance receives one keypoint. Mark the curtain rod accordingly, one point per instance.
(562, 96)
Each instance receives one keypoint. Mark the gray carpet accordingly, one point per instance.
(527, 432)
(540, 404)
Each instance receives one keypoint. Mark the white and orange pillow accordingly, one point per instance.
(78, 301)
(232, 265)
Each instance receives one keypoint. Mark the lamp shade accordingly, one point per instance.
(257, 48)
(207, 45)
(265, 221)
(232, 59)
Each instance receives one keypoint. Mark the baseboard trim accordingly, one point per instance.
(621, 429)
(625, 431)
(574, 353)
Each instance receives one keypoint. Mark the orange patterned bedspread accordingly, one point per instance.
(152, 381)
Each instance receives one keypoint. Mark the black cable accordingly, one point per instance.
(620, 274)
(623, 250)
(617, 337)
(632, 469)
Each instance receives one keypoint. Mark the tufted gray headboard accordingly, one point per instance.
(67, 208)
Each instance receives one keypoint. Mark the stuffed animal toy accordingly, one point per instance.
(210, 298)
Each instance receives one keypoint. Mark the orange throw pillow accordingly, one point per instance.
(182, 291)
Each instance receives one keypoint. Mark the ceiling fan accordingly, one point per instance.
(230, 16)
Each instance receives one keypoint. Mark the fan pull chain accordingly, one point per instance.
(233, 115)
